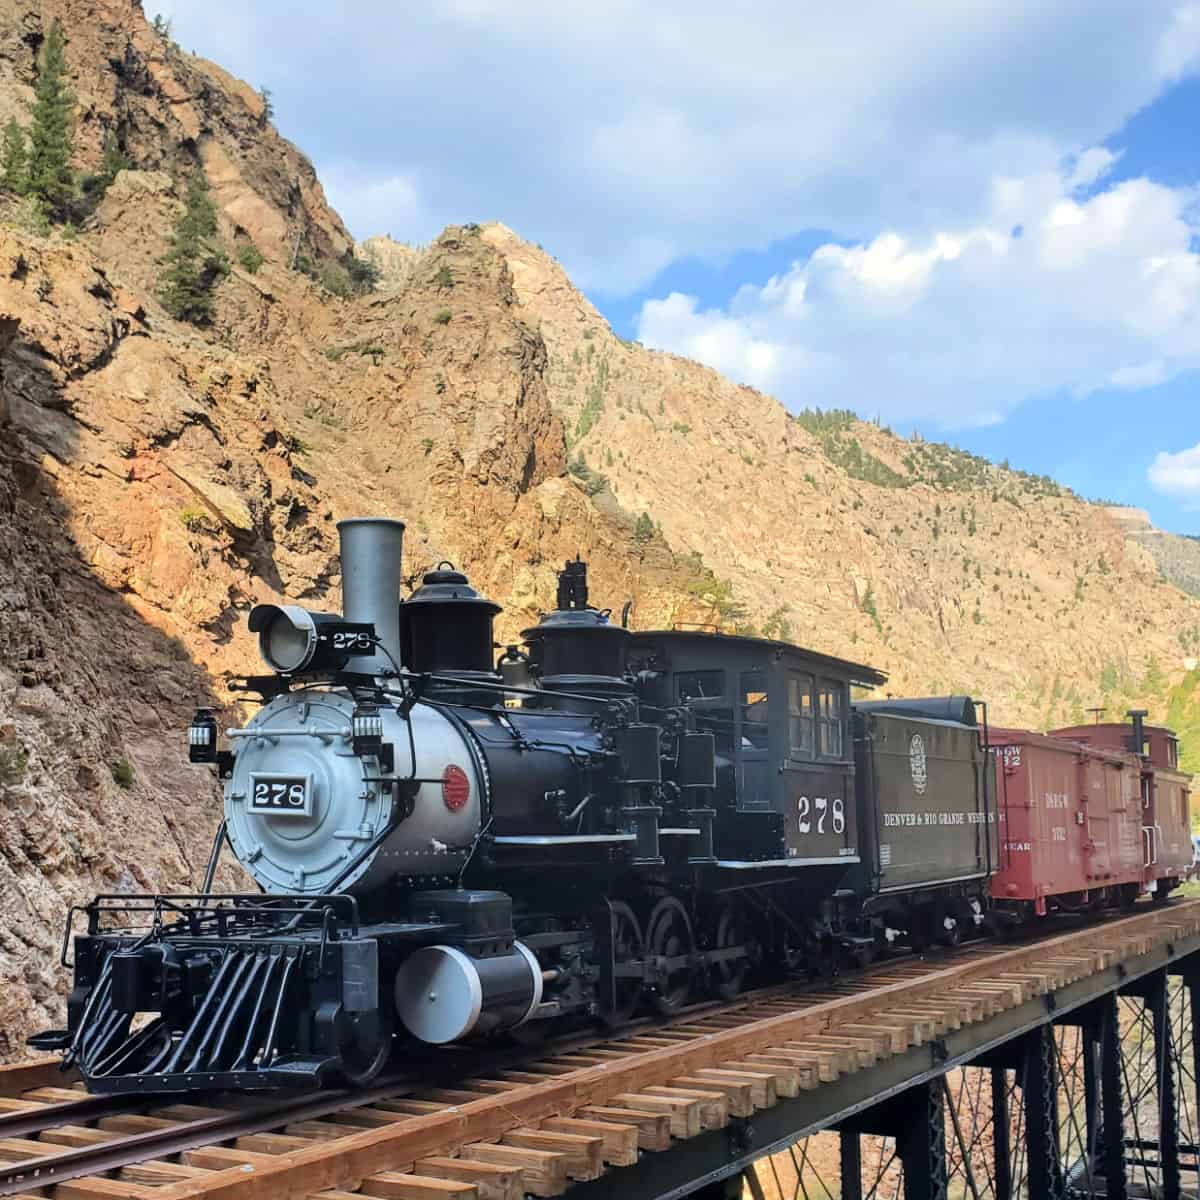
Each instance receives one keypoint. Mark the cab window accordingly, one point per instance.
(831, 717)
(754, 710)
(1172, 753)
(801, 722)
(699, 685)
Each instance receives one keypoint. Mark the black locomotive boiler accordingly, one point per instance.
(448, 847)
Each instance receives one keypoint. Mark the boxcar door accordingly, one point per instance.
(1099, 797)
(1125, 830)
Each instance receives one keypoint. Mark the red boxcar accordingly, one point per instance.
(1163, 806)
(1070, 824)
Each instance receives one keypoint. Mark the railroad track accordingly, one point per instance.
(500, 1125)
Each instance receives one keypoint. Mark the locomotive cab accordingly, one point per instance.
(780, 719)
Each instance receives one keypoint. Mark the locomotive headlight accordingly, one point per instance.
(292, 639)
(287, 635)
(202, 737)
(366, 729)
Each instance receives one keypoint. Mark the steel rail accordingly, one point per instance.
(74, 1162)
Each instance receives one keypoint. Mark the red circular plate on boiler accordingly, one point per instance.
(456, 788)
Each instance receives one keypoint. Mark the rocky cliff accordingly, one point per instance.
(1178, 558)
(166, 110)
(158, 479)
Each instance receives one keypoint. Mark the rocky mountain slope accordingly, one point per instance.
(1178, 557)
(158, 479)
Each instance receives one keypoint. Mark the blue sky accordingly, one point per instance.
(978, 221)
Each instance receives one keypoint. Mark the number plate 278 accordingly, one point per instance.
(281, 795)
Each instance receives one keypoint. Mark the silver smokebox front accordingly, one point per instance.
(371, 550)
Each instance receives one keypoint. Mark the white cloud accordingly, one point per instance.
(1140, 375)
(1177, 474)
(713, 338)
(389, 205)
(1048, 292)
(1093, 164)
(623, 136)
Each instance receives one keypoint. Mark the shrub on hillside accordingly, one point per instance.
(250, 257)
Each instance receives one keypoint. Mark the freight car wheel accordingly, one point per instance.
(950, 927)
(669, 939)
(793, 953)
(732, 929)
(920, 928)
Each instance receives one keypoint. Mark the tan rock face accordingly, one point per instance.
(170, 111)
(396, 262)
(85, 684)
(157, 480)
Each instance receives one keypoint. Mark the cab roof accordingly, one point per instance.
(856, 673)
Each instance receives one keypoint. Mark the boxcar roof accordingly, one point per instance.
(1109, 728)
(1002, 735)
(856, 673)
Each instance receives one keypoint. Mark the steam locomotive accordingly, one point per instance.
(449, 847)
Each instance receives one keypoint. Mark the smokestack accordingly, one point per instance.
(1137, 740)
(371, 555)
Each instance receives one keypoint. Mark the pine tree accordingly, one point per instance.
(14, 159)
(51, 179)
(194, 263)
(113, 160)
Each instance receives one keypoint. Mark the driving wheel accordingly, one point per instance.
(628, 947)
(669, 940)
(732, 930)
